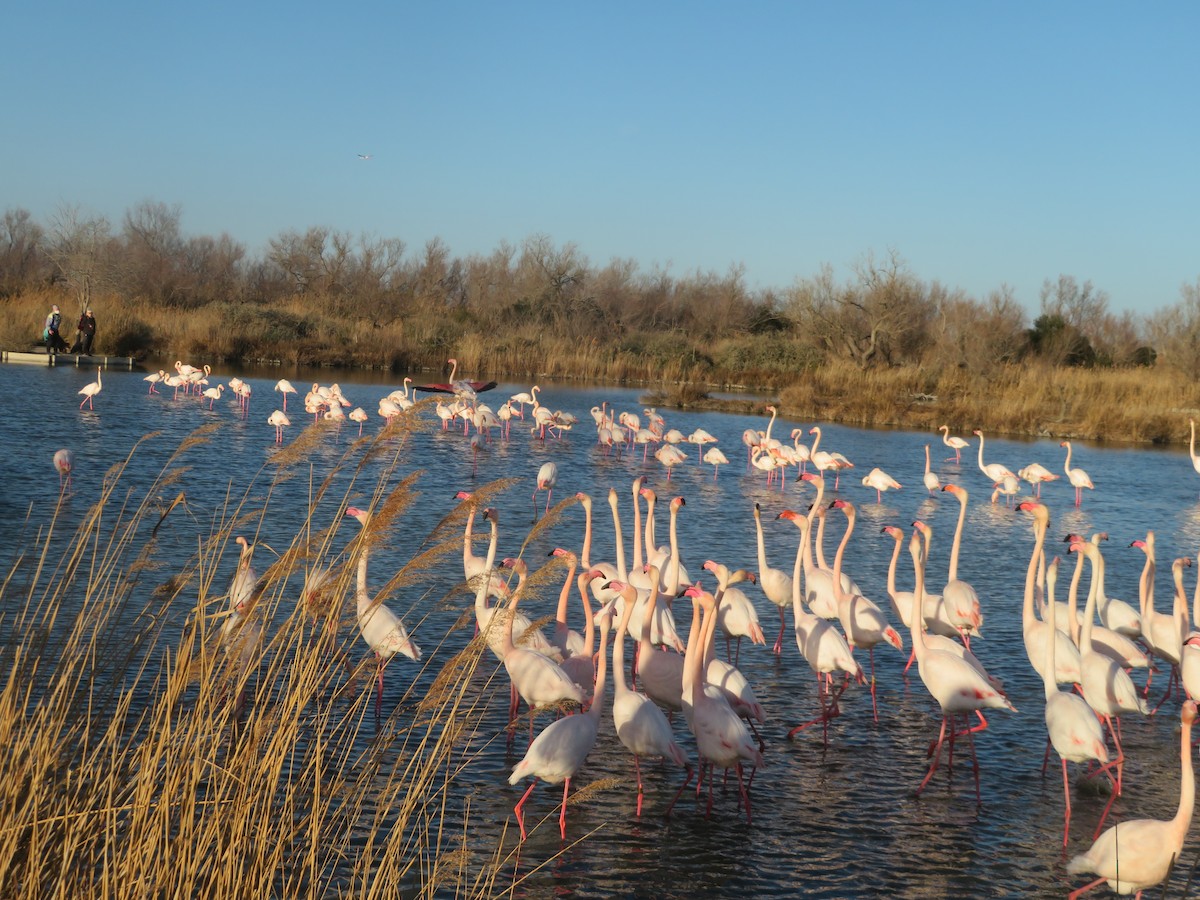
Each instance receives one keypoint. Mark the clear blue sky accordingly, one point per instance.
(987, 143)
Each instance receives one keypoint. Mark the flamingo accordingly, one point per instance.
(826, 461)
(955, 443)
(714, 457)
(1139, 853)
(278, 419)
(1192, 447)
(1164, 634)
(538, 680)
(1067, 665)
(775, 583)
(956, 685)
(284, 387)
(700, 437)
(932, 483)
(881, 481)
(825, 651)
(862, 620)
(1106, 684)
(559, 750)
(661, 674)
(241, 633)
(214, 394)
(546, 477)
(939, 630)
(641, 726)
(1079, 479)
(525, 398)
(1117, 615)
(995, 472)
(64, 462)
(722, 739)
(1035, 474)
(962, 603)
(90, 390)
(381, 628)
(154, 379)
(1072, 726)
(738, 616)
(670, 456)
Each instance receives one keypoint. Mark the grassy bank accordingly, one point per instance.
(1034, 398)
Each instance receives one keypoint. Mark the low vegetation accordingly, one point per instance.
(881, 347)
(144, 758)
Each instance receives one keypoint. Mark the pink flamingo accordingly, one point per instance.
(775, 583)
(90, 390)
(64, 462)
(1139, 853)
(955, 443)
(278, 419)
(1079, 479)
(547, 476)
(559, 751)
(285, 387)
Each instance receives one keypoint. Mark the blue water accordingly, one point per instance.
(829, 823)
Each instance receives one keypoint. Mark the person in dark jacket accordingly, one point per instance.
(87, 332)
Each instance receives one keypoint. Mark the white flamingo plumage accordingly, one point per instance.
(1079, 479)
(90, 390)
(955, 443)
(64, 464)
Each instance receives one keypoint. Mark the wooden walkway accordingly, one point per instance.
(42, 358)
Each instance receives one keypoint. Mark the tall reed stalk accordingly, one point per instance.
(130, 764)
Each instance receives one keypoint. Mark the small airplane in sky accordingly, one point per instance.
(364, 156)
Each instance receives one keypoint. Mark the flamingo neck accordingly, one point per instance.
(916, 622)
(585, 557)
(564, 597)
(891, 583)
(762, 547)
(597, 707)
(622, 572)
(638, 559)
(952, 575)
(1082, 636)
(838, 593)
(1187, 785)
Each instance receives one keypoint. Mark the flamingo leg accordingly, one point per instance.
(638, 770)
(562, 818)
(1067, 799)
(1075, 895)
(679, 793)
(779, 640)
(937, 756)
(520, 803)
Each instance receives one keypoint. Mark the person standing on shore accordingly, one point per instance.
(54, 341)
(87, 332)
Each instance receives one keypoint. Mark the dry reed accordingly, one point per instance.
(131, 765)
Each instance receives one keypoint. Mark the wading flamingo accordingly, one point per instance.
(559, 751)
(1137, 854)
(995, 472)
(279, 420)
(881, 481)
(64, 462)
(546, 477)
(932, 483)
(775, 583)
(89, 391)
(284, 387)
(381, 628)
(955, 443)
(1079, 479)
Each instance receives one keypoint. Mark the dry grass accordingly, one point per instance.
(131, 766)
(1140, 405)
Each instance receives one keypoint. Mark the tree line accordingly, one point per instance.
(320, 291)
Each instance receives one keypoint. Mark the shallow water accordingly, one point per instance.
(835, 823)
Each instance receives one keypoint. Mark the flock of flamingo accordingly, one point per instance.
(1090, 652)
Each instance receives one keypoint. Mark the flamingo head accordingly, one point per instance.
(516, 565)
(811, 476)
(1077, 546)
(571, 558)
(1064, 443)
(922, 527)
(677, 502)
(355, 513)
(952, 488)
(893, 532)
(789, 514)
(491, 513)
(839, 503)
(977, 433)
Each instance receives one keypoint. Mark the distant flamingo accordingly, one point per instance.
(738, 617)
(994, 471)
(279, 419)
(64, 462)
(955, 443)
(381, 628)
(962, 603)
(1035, 633)
(881, 481)
(213, 394)
(1079, 479)
(559, 751)
(670, 456)
(1139, 853)
(826, 461)
(284, 387)
(932, 483)
(359, 415)
(1035, 474)
(90, 390)
(714, 457)
(155, 379)
(546, 478)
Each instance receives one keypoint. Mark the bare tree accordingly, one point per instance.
(1175, 332)
(80, 246)
(22, 261)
